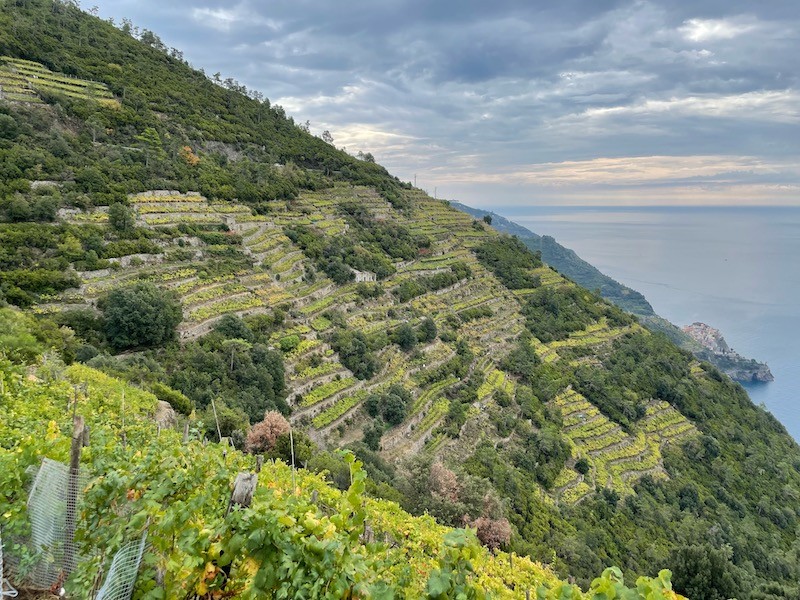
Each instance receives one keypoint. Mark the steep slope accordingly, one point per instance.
(300, 537)
(474, 382)
(567, 262)
(570, 264)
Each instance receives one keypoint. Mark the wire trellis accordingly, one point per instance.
(49, 504)
(6, 590)
(124, 569)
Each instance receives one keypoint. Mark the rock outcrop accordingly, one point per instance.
(165, 415)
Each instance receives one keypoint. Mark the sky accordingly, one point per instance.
(511, 103)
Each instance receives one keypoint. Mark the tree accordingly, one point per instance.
(487, 219)
(493, 533)
(121, 218)
(234, 347)
(151, 142)
(427, 331)
(263, 436)
(96, 124)
(327, 137)
(405, 336)
(140, 316)
(232, 327)
(702, 571)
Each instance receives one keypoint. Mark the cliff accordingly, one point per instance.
(733, 364)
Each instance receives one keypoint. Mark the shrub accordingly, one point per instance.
(493, 533)
(176, 399)
(140, 316)
(263, 436)
(444, 482)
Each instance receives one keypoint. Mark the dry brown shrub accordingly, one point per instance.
(262, 436)
(444, 482)
(493, 533)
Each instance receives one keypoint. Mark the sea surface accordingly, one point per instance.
(736, 269)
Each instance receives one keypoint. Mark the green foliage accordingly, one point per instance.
(522, 360)
(702, 571)
(552, 314)
(451, 580)
(427, 331)
(735, 483)
(140, 316)
(394, 239)
(474, 313)
(289, 343)
(177, 400)
(121, 218)
(510, 260)
(391, 406)
(337, 256)
(355, 354)
(17, 339)
(405, 336)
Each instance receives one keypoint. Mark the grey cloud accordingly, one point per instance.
(477, 87)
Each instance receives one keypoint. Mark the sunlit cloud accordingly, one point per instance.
(782, 106)
(703, 30)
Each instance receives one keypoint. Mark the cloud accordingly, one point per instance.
(703, 30)
(528, 99)
(781, 106)
(635, 170)
(228, 19)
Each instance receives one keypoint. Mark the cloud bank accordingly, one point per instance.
(513, 102)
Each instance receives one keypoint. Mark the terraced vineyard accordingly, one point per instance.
(23, 80)
(616, 458)
(326, 396)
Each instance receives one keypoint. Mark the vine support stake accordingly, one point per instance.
(243, 488)
(186, 433)
(214, 408)
(80, 438)
(291, 445)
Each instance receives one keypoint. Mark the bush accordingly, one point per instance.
(289, 343)
(176, 400)
(140, 316)
(263, 436)
(493, 533)
(405, 337)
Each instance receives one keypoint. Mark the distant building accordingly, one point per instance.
(364, 276)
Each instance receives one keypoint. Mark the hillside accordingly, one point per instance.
(185, 237)
(300, 537)
(568, 263)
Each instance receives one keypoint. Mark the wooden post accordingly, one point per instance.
(259, 463)
(291, 445)
(186, 433)
(214, 408)
(243, 488)
(79, 438)
(527, 595)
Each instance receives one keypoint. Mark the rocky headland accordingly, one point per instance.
(732, 363)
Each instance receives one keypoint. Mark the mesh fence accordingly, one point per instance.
(53, 505)
(6, 591)
(122, 574)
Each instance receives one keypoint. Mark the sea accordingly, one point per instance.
(736, 269)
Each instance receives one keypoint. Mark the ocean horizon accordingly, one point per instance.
(733, 268)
